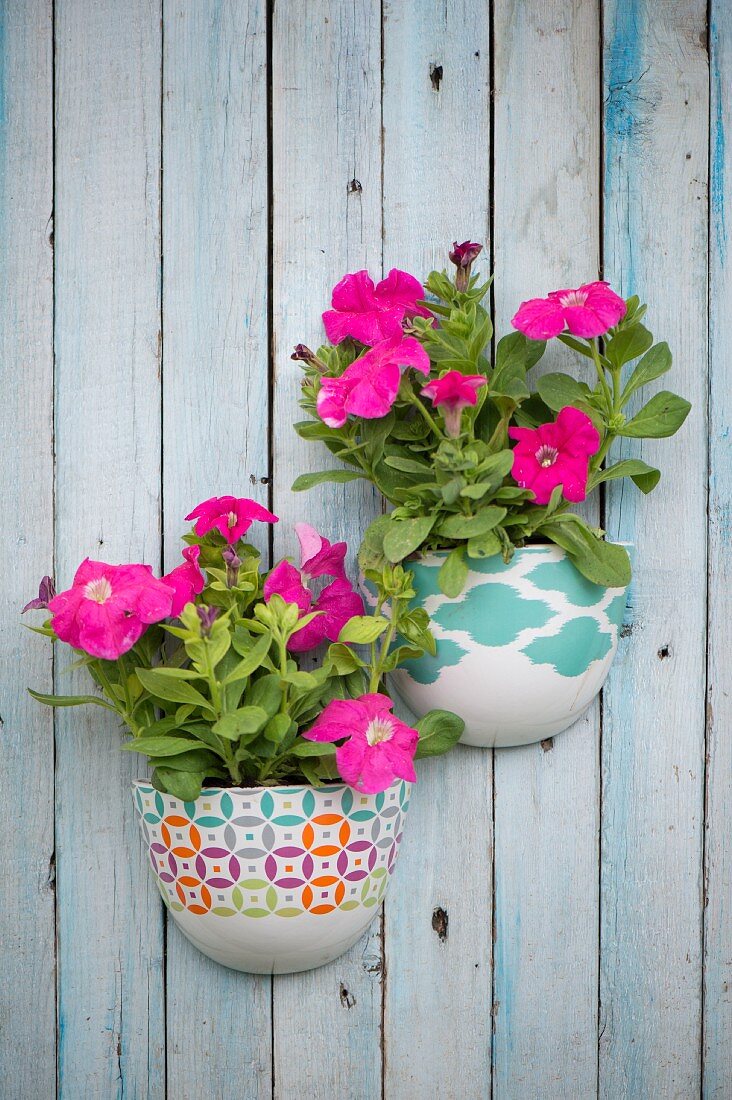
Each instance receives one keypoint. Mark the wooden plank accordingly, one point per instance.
(215, 420)
(437, 1021)
(27, 931)
(717, 1063)
(656, 113)
(326, 173)
(546, 234)
(110, 928)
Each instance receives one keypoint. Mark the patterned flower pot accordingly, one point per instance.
(521, 653)
(273, 880)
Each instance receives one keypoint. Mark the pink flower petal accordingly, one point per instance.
(539, 319)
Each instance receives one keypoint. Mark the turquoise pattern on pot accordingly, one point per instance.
(521, 653)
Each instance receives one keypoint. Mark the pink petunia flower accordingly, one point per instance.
(369, 387)
(186, 580)
(379, 747)
(464, 256)
(554, 454)
(370, 313)
(231, 516)
(451, 394)
(109, 607)
(588, 311)
(337, 602)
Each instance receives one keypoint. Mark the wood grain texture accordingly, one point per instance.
(717, 1057)
(546, 235)
(655, 183)
(437, 1019)
(326, 176)
(27, 934)
(215, 416)
(107, 238)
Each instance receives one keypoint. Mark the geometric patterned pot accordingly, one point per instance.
(273, 880)
(521, 653)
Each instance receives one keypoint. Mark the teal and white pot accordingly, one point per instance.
(273, 880)
(521, 653)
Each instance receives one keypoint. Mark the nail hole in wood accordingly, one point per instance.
(439, 923)
(436, 76)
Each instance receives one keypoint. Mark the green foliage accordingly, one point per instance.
(227, 701)
(455, 492)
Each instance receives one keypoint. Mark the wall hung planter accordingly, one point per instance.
(521, 653)
(273, 880)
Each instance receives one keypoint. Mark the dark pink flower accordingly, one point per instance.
(231, 516)
(588, 311)
(554, 454)
(368, 388)
(370, 313)
(465, 254)
(186, 580)
(46, 592)
(451, 394)
(337, 602)
(109, 607)
(378, 749)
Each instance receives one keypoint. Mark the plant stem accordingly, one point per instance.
(601, 374)
(414, 400)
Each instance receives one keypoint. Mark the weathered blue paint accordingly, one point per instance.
(718, 148)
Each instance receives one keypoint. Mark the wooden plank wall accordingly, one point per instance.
(180, 186)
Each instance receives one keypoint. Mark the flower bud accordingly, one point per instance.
(46, 592)
(232, 562)
(463, 256)
(208, 616)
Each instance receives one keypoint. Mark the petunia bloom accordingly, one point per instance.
(369, 387)
(186, 580)
(554, 454)
(378, 749)
(337, 602)
(588, 311)
(370, 313)
(451, 393)
(109, 607)
(231, 516)
(46, 592)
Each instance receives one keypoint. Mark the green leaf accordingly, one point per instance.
(183, 785)
(453, 573)
(408, 465)
(404, 536)
(515, 349)
(438, 731)
(654, 363)
(171, 689)
(559, 390)
(160, 745)
(303, 747)
(343, 659)
(71, 700)
(662, 416)
(371, 552)
(645, 477)
(628, 344)
(363, 629)
(467, 527)
(309, 481)
(278, 727)
(251, 660)
(603, 563)
(484, 546)
(266, 693)
(241, 722)
(197, 760)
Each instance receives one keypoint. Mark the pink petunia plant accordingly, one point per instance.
(202, 664)
(376, 747)
(369, 386)
(587, 311)
(557, 453)
(369, 313)
(476, 453)
(451, 393)
(336, 604)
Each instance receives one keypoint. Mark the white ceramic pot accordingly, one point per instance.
(273, 880)
(521, 653)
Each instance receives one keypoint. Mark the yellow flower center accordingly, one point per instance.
(546, 455)
(99, 590)
(574, 298)
(378, 730)
(232, 518)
